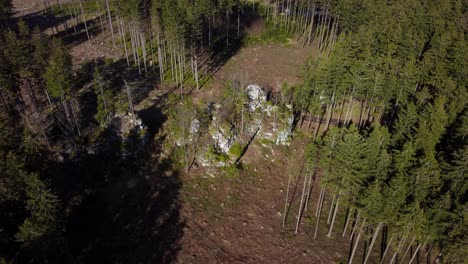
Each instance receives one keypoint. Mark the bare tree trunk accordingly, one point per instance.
(125, 43)
(402, 241)
(160, 58)
(72, 18)
(319, 214)
(309, 191)
(84, 21)
(65, 108)
(119, 30)
(354, 226)
(357, 242)
(428, 251)
(374, 237)
(362, 120)
(408, 249)
(311, 29)
(48, 100)
(347, 222)
(330, 212)
(100, 17)
(319, 201)
(287, 198)
(415, 253)
(334, 214)
(110, 21)
(330, 114)
(143, 48)
(386, 250)
(299, 214)
(196, 72)
(349, 107)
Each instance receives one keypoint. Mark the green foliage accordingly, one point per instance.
(58, 74)
(106, 102)
(270, 35)
(216, 156)
(236, 150)
(39, 201)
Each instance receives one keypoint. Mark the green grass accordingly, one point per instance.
(236, 150)
(273, 34)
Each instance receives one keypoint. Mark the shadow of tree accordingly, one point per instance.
(73, 34)
(132, 219)
(118, 208)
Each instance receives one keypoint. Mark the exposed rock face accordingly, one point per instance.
(257, 97)
(274, 122)
(224, 138)
(124, 124)
(266, 121)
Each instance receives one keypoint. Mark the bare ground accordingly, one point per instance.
(238, 219)
(266, 65)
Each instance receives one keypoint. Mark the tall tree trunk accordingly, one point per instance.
(143, 48)
(374, 237)
(348, 217)
(334, 214)
(317, 127)
(110, 21)
(286, 199)
(72, 18)
(319, 201)
(330, 212)
(409, 247)
(386, 250)
(349, 108)
(160, 58)
(125, 43)
(402, 241)
(357, 242)
(330, 114)
(319, 214)
(309, 190)
(100, 17)
(341, 110)
(84, 21)
(299, 214)
(48, 100)
(363, 107)
(415, 254)
(354, 226)
(311, 29)
(196, 71)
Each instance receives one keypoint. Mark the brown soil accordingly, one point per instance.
(81, 49)
(238, 219)
(266, 65)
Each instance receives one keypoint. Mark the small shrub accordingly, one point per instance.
(236, 150)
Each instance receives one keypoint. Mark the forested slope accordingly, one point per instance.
(384, 103)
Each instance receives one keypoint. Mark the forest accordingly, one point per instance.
(233, 131)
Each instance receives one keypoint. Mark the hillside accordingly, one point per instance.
(234, 131)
